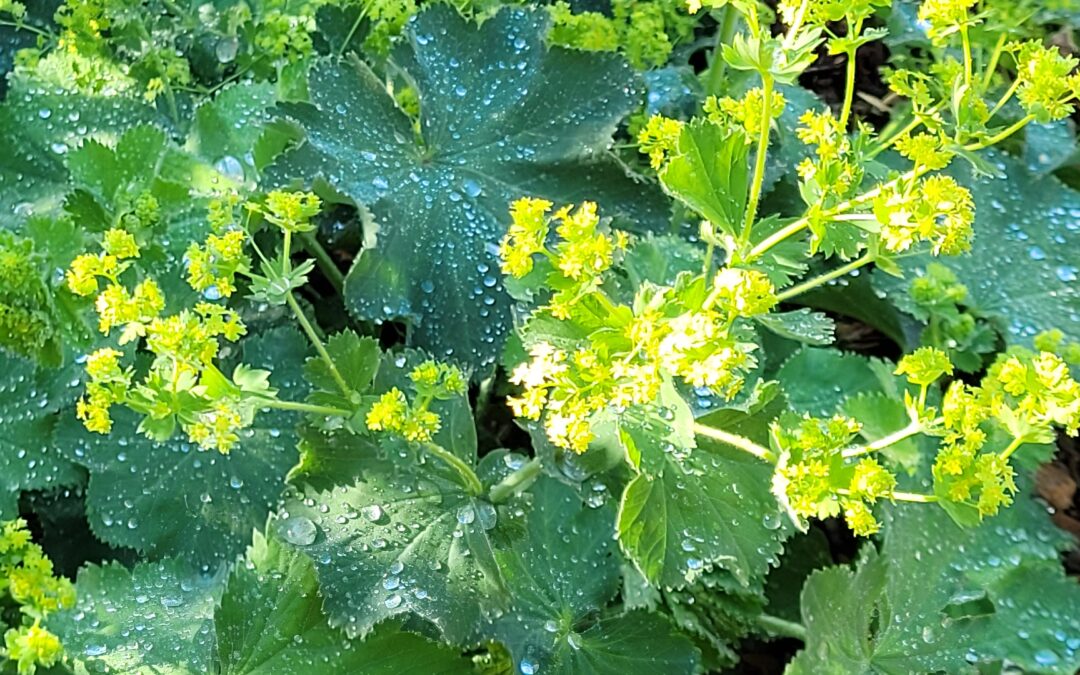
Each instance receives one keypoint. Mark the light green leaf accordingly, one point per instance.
(30, 401)
(394, 544)
(802, 325)
(710, 174)
(689, 519)
(1024, 263)
(502, 116)
(270, 622)
(154, 619)
(173, 499)
(882, 414)
(939, 598)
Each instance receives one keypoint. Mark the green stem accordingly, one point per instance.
(305, 407)
(20, 25)
(325, 262)
(913, 497)
(759, 161)
(717, 66)
(517, 482)
(782, 627)
(911, 126)
(352, 30)
(468, 477)
(966, 42)
(1004, 98)
(1011, 448)
(991, 66)
(849, 82)
(735, 441)
(912, 429)
(997, 138)
(825, 278)
(318, 344)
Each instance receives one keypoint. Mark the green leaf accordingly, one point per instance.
(227, 129)
(675, 526)
(817, 381)
(882, 414)
(560, 576)
(710, 174)
(688, 520)
(940, 598)
(399, 543)
(356, 359)
(156, 618)
(502, 116)
(636, 642)
(45, 125)
(270, 622)
(30, 401)
(172, 499)
(802, 325)
(1024, 263)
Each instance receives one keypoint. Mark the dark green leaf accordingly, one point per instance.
(802, 325)
(154, 619)
(817, 381)
(502, 117)
(270, 622)
(30, 402)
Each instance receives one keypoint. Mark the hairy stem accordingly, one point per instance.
(735, 441)
(759, 161)
(782, 627)
(517, 482)
(465, 472)
(825, 278)
(325, 262)
(318, 344)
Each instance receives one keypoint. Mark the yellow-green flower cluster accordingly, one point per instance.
(432, 381)
(925, 151)
(689, 331)
(588, 31)
(290, 211)
(27, 579)
(814, 479)
(935, 209)
(945, 17)
(659, 138)
(215, 264)
(745, 112)
(26, 322)
(1046, 81)
(582, 254)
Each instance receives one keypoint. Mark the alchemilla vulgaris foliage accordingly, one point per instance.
(391, 336)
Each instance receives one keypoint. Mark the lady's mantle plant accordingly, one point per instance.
(640, 482)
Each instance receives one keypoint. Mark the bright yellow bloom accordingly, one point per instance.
(659, 138)
(389, 413)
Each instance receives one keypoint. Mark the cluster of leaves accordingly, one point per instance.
(579, 414)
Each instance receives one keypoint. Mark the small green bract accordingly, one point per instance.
(513, 338)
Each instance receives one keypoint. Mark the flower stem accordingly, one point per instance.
(735, 441)
(849, 86)
(304, 407)
(991, 66)
(913, 497)
(1011, 448)
(997, 138)
(517, 482)
(759, 161)
(465, 473)
(325, 262)
(912, 429)
(717, 66)
(966, 42)
(781, 627)
(825, 278)
(318, 344)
